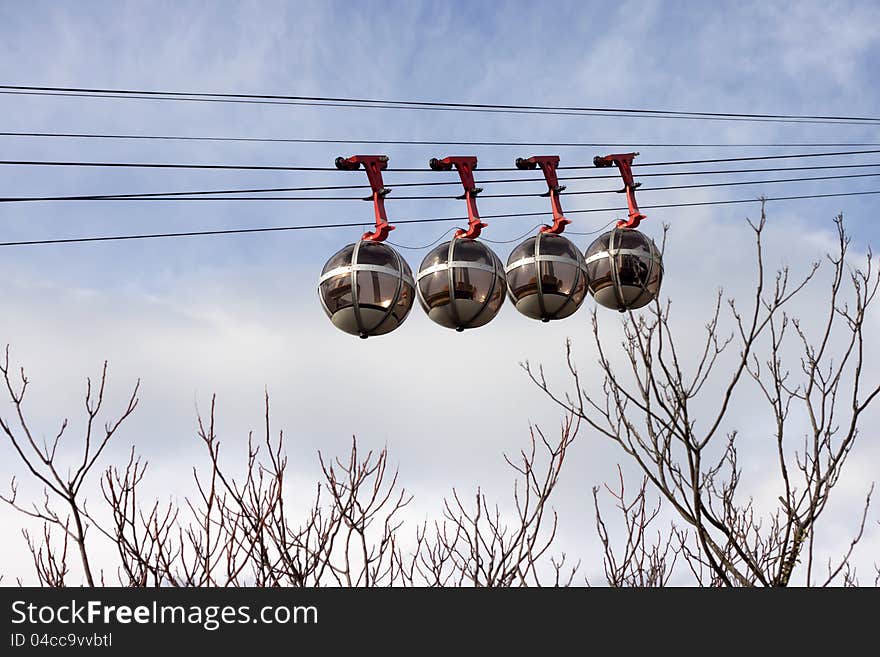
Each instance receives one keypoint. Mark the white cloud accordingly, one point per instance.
(235, 316)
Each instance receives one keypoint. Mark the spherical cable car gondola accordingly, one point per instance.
(546, 274)
(624, 266)
(624, 269)
(546, 277)
(461, 283)
(367, 288)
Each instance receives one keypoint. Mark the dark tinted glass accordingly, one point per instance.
(436, 256)
(558, 277)
(376, 253)
(341, 258)
(336, 292)
(522, 281)
(398, 313)
(599, 245)
(633, 270)
(435, 289)
(524, 250)
(492, 305)
(632, 239)
(404, 265)
(558, 246)
(472, 284)
(473, 251)
(599, 273)
(656, 279)
(405, 302)
(375, 289)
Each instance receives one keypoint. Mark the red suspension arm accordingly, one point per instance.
(374, 166)
(465, 167)
(623, 161)
(548, 164)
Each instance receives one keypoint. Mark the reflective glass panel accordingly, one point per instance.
(434, 289)
(376, 253)
(376, 289)
(339, 259)
(336, 292)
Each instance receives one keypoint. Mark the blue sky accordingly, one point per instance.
(232, 315)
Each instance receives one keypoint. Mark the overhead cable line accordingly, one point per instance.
(353, 105)
(159, 165)
(723, 171)
(174, 196)
(318, 188)
(271, 229)
(431, 142)
(418, 104)
(254, 167)
(747, 159)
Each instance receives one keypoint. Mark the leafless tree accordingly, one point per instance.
(61, 484)
(647, 558)
(474, 546)
(246, 525)
(653, 409)
(238, 528)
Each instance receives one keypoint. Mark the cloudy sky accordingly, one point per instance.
(237, 315)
